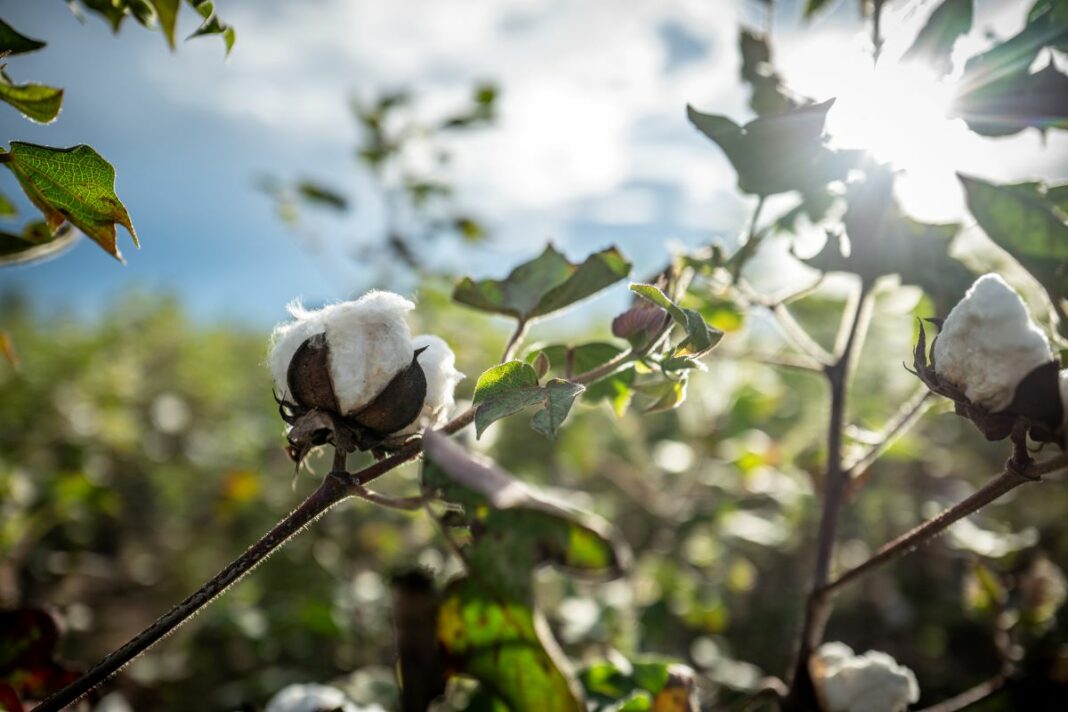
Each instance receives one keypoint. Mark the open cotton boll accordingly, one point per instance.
(369, 342)
(988, 344)
(310, 698)
(439, 366)
(872, 682)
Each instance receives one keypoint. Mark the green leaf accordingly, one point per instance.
(13, 42)
(36, 102)
(1025, 222)
(934, 44)
(497, 641)
(167, 12)
(700, 337)
(212, 24)
(665, 395)
(568, 361)
(648, 683)
(559, 395)
(505, 390)
(814, 6)
(73, 185)
(778, 153)
(7, 208)
(321, 195)
(543, 285)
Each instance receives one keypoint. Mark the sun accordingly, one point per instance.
(899, 113)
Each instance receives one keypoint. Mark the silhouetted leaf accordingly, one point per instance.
(777, 153)
(880, 239)
(13, 42)
(1016, 102)
(1025, 222)
(36, 102)
(543, 285)
(71, 184)
(769, 95)
(814, 6)
(934, 44)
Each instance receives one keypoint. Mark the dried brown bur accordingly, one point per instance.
(314, 414)
(1036, 406)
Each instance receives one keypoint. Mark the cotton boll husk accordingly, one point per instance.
(369, 340)
(310, 698)
(872, 682)
(988, 344)
(439, 366)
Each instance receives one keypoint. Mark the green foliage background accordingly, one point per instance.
(141, 453)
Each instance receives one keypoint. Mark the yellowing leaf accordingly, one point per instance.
(73, 185)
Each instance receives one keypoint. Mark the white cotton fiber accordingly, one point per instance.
(310, 698)
(369, 344)
(439, 366)
(988, 344)
(872, 682)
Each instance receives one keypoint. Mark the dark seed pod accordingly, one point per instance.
(309, 378)
(398, 404)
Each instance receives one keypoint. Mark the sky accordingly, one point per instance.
(592, 147)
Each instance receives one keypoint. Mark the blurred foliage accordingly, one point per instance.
(138, 455)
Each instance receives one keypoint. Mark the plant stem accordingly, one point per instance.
(752, 242)
(817, 608)
(336, 487)
(969, 697)
(906, 416)
(514, 340)
(1009, 479)
(876, 30)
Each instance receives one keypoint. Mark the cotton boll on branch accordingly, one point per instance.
(369, 343)
(872, 682)
(988, 344)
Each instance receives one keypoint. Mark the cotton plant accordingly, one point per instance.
(997, 365)
(872, 682)
(351, 374)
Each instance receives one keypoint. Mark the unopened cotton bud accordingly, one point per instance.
(872, 682)
(368, 340)
(988, 344)
(439, 366)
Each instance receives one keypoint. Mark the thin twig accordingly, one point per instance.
(910, 412)
(798, 336)
(876, 30)
(968, 697)
(817, 608)
(514, 341)
(1009, 479)
(799, 362)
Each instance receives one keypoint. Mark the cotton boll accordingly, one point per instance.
(872, 682)
(369, 345)
(310, 698)
(988, 344)
(439, 366)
